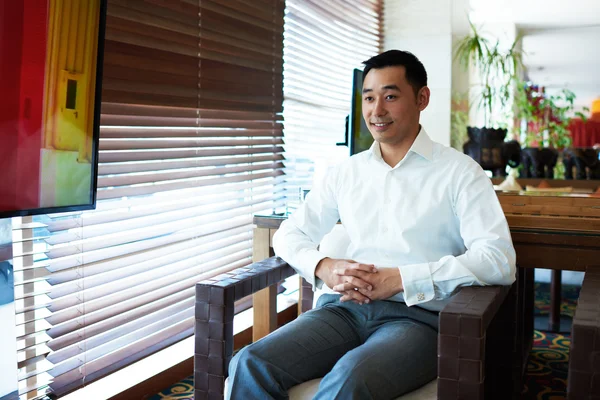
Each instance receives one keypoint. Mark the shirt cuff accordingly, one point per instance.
(308, 261)
(417, 283)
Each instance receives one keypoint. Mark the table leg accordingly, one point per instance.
(555, 300)
(264, 322)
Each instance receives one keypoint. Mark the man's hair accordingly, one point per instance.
(415, 71)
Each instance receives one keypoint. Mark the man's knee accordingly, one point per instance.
(234, 363)
(243, 360)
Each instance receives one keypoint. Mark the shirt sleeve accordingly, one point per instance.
(297, 239)
(489, 258)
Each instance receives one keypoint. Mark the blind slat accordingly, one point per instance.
(126, 209)
(111, 193)
(139, 266)
(69, 320)
(124, 356)
(221, 213)
(165, 165)
(124, 156)
(68, 359)
(156, 144)
(163, 176)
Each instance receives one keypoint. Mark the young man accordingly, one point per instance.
(422, 220)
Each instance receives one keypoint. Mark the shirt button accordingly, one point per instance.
(420, 296)
(387, 201)
(384, 229)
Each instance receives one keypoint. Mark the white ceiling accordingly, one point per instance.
(561, 42)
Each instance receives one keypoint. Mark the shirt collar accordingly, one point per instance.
(422, 146)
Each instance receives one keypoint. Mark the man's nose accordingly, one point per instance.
(379, 108)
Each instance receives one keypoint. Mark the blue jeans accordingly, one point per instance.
(379, 350)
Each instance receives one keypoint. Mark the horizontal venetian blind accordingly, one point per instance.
(190, 148)
(323, 42)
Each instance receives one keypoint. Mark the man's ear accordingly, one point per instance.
(423, 98)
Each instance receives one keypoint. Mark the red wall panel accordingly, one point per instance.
(31, 100)
(23, 32)
(11, 41)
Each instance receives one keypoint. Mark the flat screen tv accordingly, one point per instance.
(358, 137)
(50, 81)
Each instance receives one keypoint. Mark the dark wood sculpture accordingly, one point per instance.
(488, 148)
(585, 160)
(538, 162)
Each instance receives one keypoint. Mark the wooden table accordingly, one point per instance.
(554, 231)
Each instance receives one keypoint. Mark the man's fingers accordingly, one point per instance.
(343, 287)
(358, 283)
(356, 296)
(355, 269)
(352, 284)
(363, 267)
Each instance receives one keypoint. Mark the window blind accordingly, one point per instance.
(323, 42)
(191, 146)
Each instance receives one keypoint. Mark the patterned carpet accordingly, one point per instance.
(546, 377)
(547, 368)
(181, 390)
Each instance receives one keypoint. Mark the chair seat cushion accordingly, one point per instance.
(307, 390)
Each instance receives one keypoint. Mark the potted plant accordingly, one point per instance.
(497, 71)
(546, 123)
(547, 117)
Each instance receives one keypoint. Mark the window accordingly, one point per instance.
(324, 41)
(191, 147)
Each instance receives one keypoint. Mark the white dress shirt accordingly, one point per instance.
(435, 216)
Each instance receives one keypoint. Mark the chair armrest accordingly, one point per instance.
(475, 343)
(584, 360)
(215, 299)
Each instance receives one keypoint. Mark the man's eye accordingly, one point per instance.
(390, 97)
(368, 98)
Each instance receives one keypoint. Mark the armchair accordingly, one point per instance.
(476, 338)
(584, 359)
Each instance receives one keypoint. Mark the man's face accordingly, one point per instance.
(390, 107)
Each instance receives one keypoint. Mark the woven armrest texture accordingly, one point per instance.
(215, 298)
(476, 337)
(584, 358)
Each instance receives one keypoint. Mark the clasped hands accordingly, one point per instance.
(361, 283)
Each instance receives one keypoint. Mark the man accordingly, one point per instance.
(422, 220)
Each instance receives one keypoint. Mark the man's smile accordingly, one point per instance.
(381, 126)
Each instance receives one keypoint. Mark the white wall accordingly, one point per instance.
(561, 58)
(423, 27)
(460, 28)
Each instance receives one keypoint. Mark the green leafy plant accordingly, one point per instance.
(459, 119)
(497, 70)
(547, 117)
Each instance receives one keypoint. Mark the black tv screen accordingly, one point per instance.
(359, 137)
(50, 80)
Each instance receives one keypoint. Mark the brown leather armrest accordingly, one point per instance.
(215, 299)
(584, 360)
(475, 326)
